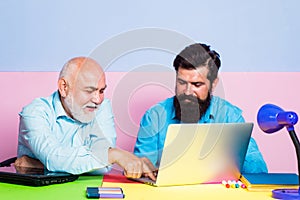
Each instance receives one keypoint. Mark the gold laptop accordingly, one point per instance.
(202, 153)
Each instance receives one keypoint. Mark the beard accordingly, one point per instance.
(77, 112)
(192, 110)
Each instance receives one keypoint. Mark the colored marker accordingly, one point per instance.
(104, 192)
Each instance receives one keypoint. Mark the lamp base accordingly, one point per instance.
(286, 194)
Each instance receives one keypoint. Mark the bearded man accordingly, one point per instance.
(73, 129)
(196, 69)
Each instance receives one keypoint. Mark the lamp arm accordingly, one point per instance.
(297, 147)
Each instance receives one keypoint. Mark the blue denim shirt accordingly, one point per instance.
(155, 122)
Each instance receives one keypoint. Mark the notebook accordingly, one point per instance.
(270, 181)
(202, 153)
(33, 176)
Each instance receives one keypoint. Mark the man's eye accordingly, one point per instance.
(181, 82)
(198, 84)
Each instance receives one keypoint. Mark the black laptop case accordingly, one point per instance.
(31, 176)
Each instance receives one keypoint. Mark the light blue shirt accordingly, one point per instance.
(154, 124)
(62, 143)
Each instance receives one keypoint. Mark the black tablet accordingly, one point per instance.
(33, 176)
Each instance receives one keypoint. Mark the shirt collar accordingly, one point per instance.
(208, 116)
(173, 113)
(58, 108)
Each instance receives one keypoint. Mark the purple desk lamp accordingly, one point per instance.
(270, 119)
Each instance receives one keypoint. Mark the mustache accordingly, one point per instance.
(191, 98)
(91, 105)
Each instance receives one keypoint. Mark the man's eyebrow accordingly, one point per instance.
(193, 83)
(95, 88)
(103, 87)
(90, 87)
(180, 79)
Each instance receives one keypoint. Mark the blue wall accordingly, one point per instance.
(256, 35)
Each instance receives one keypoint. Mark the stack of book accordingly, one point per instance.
(270, 181)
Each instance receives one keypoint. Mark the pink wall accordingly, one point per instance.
(133, 92)
(250, 91)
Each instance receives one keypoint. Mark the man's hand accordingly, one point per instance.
(26, 161)
(149, 170)
(133, 166)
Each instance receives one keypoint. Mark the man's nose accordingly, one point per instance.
(97, 98)
(188, 89)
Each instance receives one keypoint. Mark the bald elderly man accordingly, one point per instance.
(73, 129)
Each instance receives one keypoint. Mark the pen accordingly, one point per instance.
(104, 189)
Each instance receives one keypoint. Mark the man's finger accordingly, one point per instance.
(150, 175)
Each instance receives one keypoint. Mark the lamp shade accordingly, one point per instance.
(271, 118)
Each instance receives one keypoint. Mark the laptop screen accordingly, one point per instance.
(203, 153)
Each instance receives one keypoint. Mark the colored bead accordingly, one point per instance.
(240, 182)
(233, 184)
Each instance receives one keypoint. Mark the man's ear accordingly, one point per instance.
(215, 83)
(63, 87)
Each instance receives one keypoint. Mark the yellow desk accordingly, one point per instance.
(136, 191)
(76, 190)
(209, 191)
